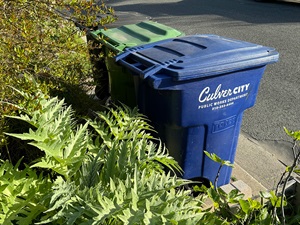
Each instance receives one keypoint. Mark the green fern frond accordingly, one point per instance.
(90, 170)
(125, 133)
(121, 123)
(145, 197)
(56, 134)
(23, 194)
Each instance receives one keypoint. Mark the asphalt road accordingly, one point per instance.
(270, 23)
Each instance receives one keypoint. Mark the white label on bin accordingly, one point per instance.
(221, 98)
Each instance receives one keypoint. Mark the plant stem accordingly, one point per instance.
(8, 154)
(274, 211)
(297, 157)
(217, 177)
(249, 218)
(280, 182)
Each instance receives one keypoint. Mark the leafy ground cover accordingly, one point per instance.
(109, 169)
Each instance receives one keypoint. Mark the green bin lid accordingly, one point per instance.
(117, 39)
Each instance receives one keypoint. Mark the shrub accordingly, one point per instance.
(41, 48)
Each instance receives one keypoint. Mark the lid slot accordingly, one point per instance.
(172, 51)
(190, 43)
(130, 33)
(152, 28)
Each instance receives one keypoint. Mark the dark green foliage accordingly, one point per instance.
(39, 43)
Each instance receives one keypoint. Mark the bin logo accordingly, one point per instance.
(221, 98)
(224, 124)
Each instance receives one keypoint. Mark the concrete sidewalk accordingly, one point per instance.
(255, 166)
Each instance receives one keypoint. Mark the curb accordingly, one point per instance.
(241, 175)
(256, 166)
(241, 186)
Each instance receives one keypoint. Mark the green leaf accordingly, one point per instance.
(275, 200)
(234, 196)
(22, 194)
(78, 144)
(294, 134)
(217, 159)
(265, 194)
(288, 168)
(245, 206)
(213, 194)
(213, 157)
(255, 205)
(297, 170)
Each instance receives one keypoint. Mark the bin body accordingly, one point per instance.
(115, 40)
(195, 89)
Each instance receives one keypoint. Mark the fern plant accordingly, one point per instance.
(109, 170)
(123, 180)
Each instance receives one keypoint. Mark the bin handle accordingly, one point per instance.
(103, 41)
(157, 67)
(93, 34)
(111, 46)
(133, 66)
(126, 53)
(130, 66)
(151, 70)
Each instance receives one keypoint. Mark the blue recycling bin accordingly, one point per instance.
(195, 89)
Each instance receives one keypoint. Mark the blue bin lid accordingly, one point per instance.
(195, 56)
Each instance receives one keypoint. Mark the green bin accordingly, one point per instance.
(115, 41)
